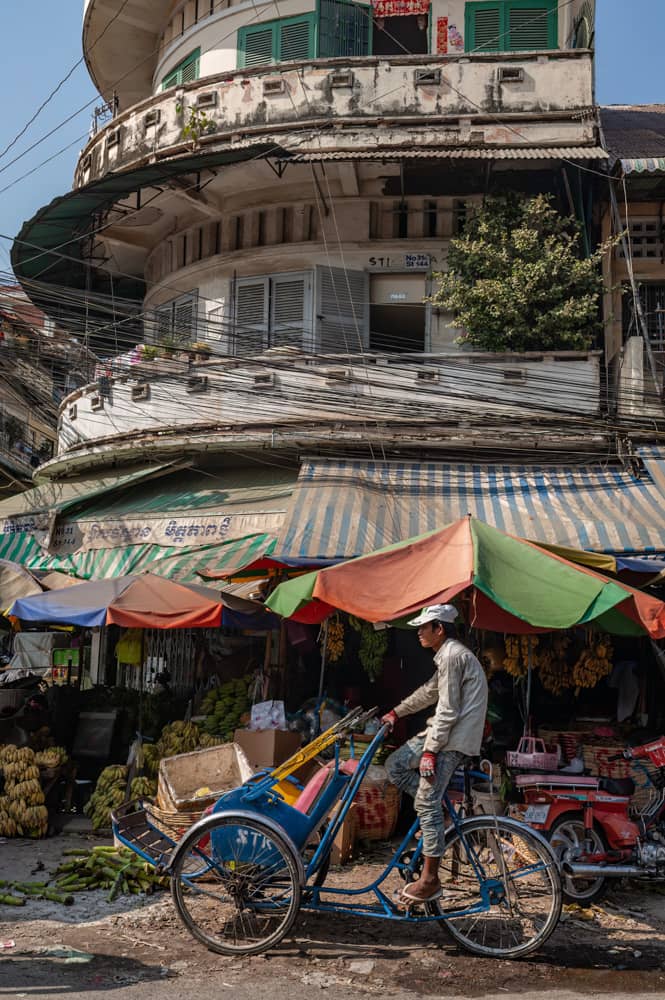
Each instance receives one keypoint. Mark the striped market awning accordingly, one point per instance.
(645, 165)
(342, 509)
(186, 564)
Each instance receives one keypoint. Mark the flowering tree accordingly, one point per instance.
(518, 282)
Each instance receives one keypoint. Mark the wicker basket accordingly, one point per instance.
(173, 824)
(596, 761)
(377, 807)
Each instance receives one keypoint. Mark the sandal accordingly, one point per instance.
(437, 894)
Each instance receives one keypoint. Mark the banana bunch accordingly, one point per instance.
(22, 809)
(373, 647)
(109, 793)
(556, 675)
(178, 737)
(516, 662)
(335, 644)
(142, 788)
(225, 707)
(594, 663)
(150, 759)
(51, 757)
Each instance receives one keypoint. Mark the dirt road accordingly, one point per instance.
(137, 946)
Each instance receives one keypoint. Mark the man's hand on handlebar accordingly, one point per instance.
(389, 719)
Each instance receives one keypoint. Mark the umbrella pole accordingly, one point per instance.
(529, 676)
(324, 652)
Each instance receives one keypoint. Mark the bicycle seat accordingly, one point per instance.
(617, 786)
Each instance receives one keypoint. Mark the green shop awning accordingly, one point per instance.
(188, 564)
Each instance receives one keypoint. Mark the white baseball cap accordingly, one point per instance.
(435, 613)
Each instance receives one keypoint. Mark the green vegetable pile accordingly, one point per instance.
(31, 890)
(115, 868)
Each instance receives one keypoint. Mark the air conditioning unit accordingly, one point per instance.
(207, 99)
(514, 375)
(427, 77)
(511, 74)
(197, 383)
(72, 412)
(152, 118)
(273, 87)
(428, 375)
(342, 79)
(336, 375)
(140, 391)
(266, 380)
(113, 138)
(96, 402)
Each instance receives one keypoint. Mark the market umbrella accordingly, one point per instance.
(512, 586)
(145, 601)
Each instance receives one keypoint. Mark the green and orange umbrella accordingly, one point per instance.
(506, 584)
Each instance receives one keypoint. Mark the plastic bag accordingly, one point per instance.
(268, 715)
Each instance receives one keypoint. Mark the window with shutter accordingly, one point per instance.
(186, 71)
(528, 27)
(175, 321)
(511, 25)
(289, 312)
(294, 40)
(484, 31)
(257, 46)
(290, 38)
(251, 316)
(342, 311)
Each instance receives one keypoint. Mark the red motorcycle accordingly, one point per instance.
(594, 832)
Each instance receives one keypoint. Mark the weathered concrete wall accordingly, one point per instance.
(330, 391)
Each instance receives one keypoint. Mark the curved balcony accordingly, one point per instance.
(288, 399)
(410, 102)
(122, 47)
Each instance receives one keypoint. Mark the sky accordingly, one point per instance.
(42, 43)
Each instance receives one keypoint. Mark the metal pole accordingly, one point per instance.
(324, 652)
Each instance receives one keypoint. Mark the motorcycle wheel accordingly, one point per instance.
(567, 838)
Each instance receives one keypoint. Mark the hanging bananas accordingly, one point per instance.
(335, 643)
(593, 664)
(373, 647)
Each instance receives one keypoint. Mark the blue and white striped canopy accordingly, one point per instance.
(342, 509)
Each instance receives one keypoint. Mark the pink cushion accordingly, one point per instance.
(311, 790)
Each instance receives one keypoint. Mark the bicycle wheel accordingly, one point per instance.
(568, 839)
(518, 905)
(243, 895)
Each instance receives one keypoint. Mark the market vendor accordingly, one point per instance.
(424, 765)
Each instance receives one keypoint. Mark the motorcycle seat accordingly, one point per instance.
(617, 786)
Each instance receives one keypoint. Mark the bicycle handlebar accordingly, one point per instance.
(626, 754)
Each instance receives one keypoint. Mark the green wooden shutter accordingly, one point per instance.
(344, 29)
(484, 26)
(186, 71)
(296, 37)
(257, 45)
(530, 26)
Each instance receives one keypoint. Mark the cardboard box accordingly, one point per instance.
(343, 844)
(267, 747)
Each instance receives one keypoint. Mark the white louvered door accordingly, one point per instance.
(251, 316)
(290, 310)
(341, 311)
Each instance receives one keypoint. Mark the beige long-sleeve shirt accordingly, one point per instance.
(459, 689)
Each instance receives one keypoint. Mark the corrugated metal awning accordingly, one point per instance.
(342, 509)
(647, 165)
(456, 153)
